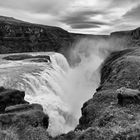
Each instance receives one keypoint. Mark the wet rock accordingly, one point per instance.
(21, 120)
(40, 60)
(10, 97)
(17, 57)
(36, 58)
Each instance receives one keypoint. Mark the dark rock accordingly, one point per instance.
(32, 133)
(37, 58)
(10, 97)
(104, 120)
(17, 57)
(127, 95)
(40, 60)
(99, 88)
(24, 119)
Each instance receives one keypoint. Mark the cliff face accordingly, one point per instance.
(19, 36)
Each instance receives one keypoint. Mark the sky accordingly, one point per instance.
(79, 16)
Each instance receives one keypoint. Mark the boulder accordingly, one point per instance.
(23, 119)
(10, 97)
(128, 95)
(19, 119)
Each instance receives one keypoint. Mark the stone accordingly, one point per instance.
(10, 97)
(127, 95)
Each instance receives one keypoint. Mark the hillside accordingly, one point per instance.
(19, 36)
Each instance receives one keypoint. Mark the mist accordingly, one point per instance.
(83, 77)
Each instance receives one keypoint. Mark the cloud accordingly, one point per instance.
(84, 26)
(37, 6)
(133, 14)
(97, 16)
(120, 3)
(83, 19)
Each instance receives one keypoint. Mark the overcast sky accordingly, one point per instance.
(83, 16)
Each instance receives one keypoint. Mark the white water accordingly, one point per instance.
(60, 89)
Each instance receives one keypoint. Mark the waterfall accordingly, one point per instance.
(43, 84)
(59, 88)
(45, 88)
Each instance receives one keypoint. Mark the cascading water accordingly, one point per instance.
(42, 83)
(59, 88)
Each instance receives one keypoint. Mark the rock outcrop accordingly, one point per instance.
(9, 97)
(25, 121)
(127, 95)
(37, 58)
